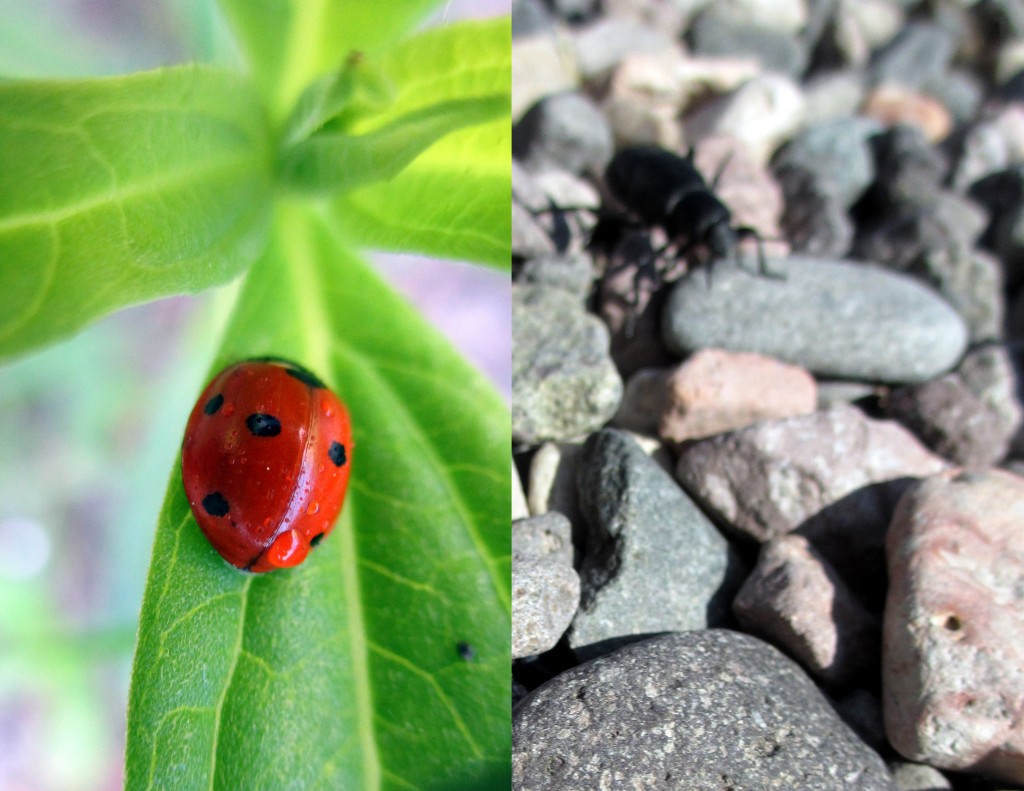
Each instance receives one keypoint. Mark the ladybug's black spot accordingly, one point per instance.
(316, 539)
(214, 504)
(466, 651)
(337, 453)
(213, 404)
(306, 377)
(261, 425)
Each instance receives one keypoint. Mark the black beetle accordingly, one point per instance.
(667, 191)
(657, 188)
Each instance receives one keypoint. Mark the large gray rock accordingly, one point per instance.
(838, 319)
(653, 562)
(563, 381)
(953, 646)
(699, 711)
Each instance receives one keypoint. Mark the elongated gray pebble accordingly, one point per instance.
(838, 319)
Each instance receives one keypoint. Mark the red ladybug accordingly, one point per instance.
(265, 463)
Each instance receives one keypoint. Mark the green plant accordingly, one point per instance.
(346, 132)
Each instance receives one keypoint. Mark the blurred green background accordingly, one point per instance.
(91, 427)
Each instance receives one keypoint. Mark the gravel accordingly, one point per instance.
(797, 524)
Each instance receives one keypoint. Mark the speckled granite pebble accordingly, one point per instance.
(699, 711)
(563, 381)
(837, 319)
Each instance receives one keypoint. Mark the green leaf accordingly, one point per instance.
(121, 190)
(289, 43)
(356, 88)
(344, 672)
(337, 162)
(452, 201)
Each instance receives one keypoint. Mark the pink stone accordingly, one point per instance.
(795, 599)
(716, 391)
(953, 645)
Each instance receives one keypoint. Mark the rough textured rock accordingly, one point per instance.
(953, 646)
(713, 392)
(563, 381)
(968, 416)
(769, 479)
(837, 319)
(835, 475)
(653, 562)
(700, 711)
(545, 589)
(795, 600)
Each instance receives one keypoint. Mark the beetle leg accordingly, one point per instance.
(746, 232)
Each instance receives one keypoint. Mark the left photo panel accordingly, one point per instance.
(255, 353)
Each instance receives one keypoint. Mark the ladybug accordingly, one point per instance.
(265, 463)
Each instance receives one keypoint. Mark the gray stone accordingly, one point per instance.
(837, 153)
(958, 90)
(563, 381)
(652, 561)
(699, 711)
(553, 488)
(836, 319)
(711, 35)
(953, 645)
(784, 16)
(572, 272)
(546, 536)
(604, 43)
(545, 589)
(566, 131)
(933, 240)
(529, 17)
(815, 221)
(919, 54)
(833, 95)
(908, 169)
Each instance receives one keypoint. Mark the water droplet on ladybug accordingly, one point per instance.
(313, 507)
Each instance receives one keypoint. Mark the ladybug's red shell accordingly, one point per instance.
(265, 463)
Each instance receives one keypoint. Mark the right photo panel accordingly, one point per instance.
(767, 446)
